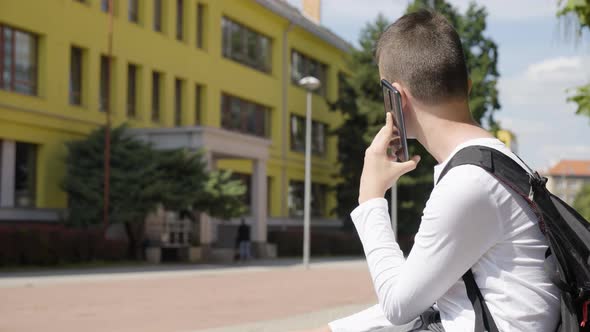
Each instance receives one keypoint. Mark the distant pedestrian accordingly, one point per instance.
(243, 240)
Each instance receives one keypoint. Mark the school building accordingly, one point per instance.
(218, 75)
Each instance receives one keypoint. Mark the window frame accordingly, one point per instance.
(234, 32)
(178, 99)
(104, 103)
(246, 180)
(318, 205)
(131, 105)
(238, 113)
(156, 102)
(306, 61)
(198, 104)
(104, 5)
(317, 150)
(76, 97)
(33, 68)
(31, 179)
(200, 26)
(180, 34)
(157, 23)
(133, 15)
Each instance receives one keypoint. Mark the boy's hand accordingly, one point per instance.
(380, 170)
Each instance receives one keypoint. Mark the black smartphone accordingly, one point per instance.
(392, 102)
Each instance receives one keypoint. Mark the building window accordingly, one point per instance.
(18, 61)
(244, 116)
(200, 24)
(131, 90)
(198, 104)
(133, 10)
(158, 15)
(318, 135)
(156, 95)
(302, 65)
(246, 180)
(178, 102)
(297, 195)
(76, 54)
(104, 5)
(25, 174)
(179, 19)
(105, 79)
(246, 46)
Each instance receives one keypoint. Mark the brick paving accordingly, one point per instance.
(179, 300)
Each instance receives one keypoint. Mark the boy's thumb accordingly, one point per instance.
(411, 164)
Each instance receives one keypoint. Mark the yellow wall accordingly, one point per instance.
(49, 120)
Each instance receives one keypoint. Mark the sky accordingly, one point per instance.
(538, 61)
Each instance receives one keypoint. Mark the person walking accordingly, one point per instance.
(243, 240)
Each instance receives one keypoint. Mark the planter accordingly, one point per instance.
(153, 255)
(194, 254)
(271, 250)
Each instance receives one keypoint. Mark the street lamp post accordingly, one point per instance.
(310, 83)
(393, 208)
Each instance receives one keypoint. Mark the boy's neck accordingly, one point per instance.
(440, 133)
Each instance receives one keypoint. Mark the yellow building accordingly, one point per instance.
(214, 74)
(508, 138)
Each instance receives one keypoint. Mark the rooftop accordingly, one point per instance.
(571, 168)
(282, 8)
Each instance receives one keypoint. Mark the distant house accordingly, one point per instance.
(567, 177)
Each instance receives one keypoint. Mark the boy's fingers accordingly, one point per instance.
(409, 165)
(385, 134)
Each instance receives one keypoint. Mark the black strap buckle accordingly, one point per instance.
(536, 181)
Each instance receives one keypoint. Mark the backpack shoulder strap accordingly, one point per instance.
(499, 165)
(484, 322)
(508, 171)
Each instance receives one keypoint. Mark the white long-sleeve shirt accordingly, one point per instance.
(471, 220)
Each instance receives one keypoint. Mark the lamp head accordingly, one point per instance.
(309, 83)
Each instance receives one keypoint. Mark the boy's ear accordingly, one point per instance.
(402, 92)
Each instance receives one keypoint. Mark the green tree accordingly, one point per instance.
(582, 202)
(579, 12)
(361, 103)
(142, 178)
(221, 196)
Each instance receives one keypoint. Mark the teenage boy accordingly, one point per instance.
(471, 220)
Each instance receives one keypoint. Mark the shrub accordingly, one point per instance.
(42, 244)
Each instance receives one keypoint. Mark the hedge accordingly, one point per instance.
(42, 244)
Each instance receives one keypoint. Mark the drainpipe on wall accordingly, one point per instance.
(285, 106)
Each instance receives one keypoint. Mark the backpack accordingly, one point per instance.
(567, 261)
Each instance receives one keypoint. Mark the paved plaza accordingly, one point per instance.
(266, 296)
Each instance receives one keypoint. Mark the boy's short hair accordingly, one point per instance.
(423, 51)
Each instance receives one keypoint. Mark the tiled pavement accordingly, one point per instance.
(265, 296)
